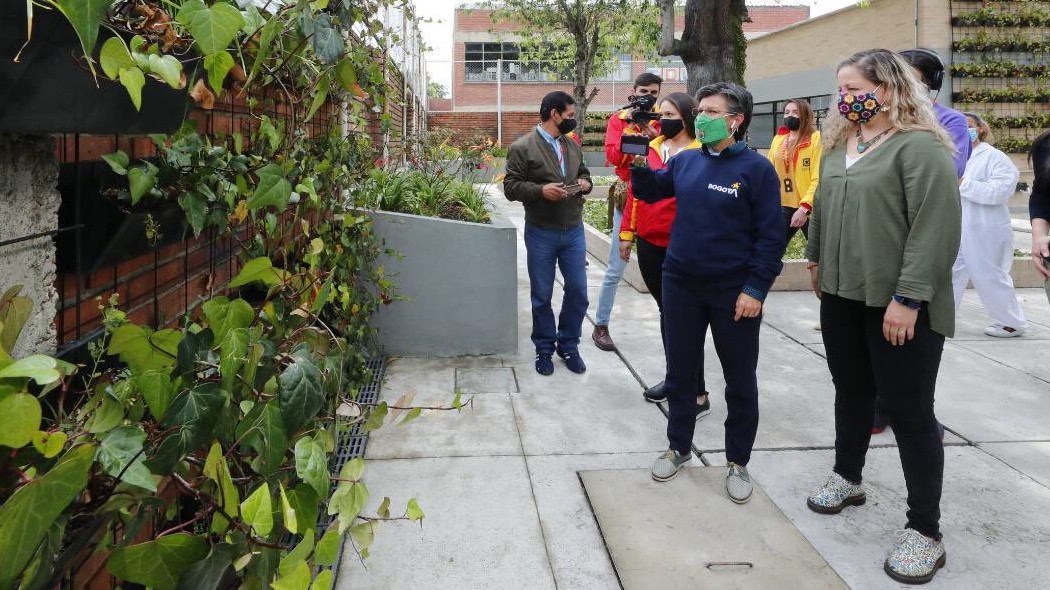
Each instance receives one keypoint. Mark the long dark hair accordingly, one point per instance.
(686, 106)
(807, 122)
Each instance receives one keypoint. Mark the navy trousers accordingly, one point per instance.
(690, 306)
(549, 249)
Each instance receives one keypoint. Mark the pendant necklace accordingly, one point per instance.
(864, 145)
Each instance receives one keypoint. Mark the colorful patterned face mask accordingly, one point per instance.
(859, 108)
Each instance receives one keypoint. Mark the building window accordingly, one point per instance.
(482, 61)
(618, 70)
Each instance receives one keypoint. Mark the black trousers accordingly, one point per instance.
(864, 365)
(690, 306)
(791, 231)
(651, 265)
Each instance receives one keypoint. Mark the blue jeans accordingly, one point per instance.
(613, 274)
(566, 249)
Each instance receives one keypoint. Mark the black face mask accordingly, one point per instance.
(566, 126)
(671, 127)
(792, 123)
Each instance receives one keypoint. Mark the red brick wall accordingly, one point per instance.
(515, 123)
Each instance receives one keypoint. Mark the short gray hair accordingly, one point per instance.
(738, 99)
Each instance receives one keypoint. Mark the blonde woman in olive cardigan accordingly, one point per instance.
(882, 240)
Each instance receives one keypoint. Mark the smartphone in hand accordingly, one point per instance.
(572, 190)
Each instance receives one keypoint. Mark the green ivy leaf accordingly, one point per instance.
(27, 514)
(353, 469)
(195, 413)
(120, 454)
(253, 20)
(263, 430)
(320, 96)
(106, 415)
(118, 161)
(297, 554)
(414, 512)
(298, 578)
(14, 313)
(209, 573)
(232, 353)
(143, 349)
(38, 367)
(384, 508)
(157, 390)
(214, 27)
(328, 548)
(348, 501)
(49, 444)
(347, 75)
(326, 41)
(304, 500)
(114, 57)
(217, 470)
(133, 80)
(142, 179)
(86, 16)
(311, 465)
(266, 44)
(20, 415)
(196, 208)
(290, 521)
(158, 564)
(412, 415)
(168, 68)
(363, 535)
(224, 315)
(273, 189)
(257, 269)
(217, 66)
(323, 581)
(257, 510)
(300, 393)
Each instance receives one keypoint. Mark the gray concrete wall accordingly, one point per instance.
(29, 204)
(460, 281)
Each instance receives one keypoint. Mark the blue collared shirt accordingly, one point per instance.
(553, 141)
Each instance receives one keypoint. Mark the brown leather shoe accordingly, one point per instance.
(602, 339)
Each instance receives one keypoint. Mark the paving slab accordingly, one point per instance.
(426, 377)
(481, 528)
(588, 421)
(574, 543)
(1031, 459)
(674, 533)
(484, 427)
(1033, 302)
(995, 520)
(486, 380)
(1020, 354)
(795, 313)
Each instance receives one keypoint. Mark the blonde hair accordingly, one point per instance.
(905, 100)
(984, 131)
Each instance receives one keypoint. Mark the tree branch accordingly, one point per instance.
(668, 44)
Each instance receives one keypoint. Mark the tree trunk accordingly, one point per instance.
(712, 46)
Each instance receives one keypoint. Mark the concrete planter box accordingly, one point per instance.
(460, 282)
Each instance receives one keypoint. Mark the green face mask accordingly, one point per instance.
(711, 130)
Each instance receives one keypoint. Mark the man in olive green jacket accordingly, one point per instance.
(545, 171)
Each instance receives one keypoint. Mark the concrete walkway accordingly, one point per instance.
(504, 503)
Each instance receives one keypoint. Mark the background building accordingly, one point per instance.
(496, 93)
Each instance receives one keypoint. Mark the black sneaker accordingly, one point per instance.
(655, 394)
(544, 364)
(573, 361)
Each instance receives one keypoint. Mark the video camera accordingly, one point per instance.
(643, 109)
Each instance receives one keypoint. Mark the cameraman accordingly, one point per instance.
(640, 118)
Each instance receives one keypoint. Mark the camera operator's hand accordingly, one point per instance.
(640, 161)
(585, 185)
(650, 131)
(625, 250)
(554, 192)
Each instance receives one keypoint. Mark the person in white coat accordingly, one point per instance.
(986, 252)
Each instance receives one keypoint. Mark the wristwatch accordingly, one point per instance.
(908, 302)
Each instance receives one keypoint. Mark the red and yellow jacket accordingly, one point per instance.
(651, 221)
(798, 176)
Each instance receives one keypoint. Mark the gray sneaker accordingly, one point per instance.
(738, 483)
(836, 494)
(667, 466)
(915, 558)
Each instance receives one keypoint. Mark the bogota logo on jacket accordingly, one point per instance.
(729, 190)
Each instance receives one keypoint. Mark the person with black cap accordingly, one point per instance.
(931, 71)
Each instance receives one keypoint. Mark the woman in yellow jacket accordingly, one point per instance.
(795, 154)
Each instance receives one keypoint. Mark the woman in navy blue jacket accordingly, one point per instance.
(727, 241)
